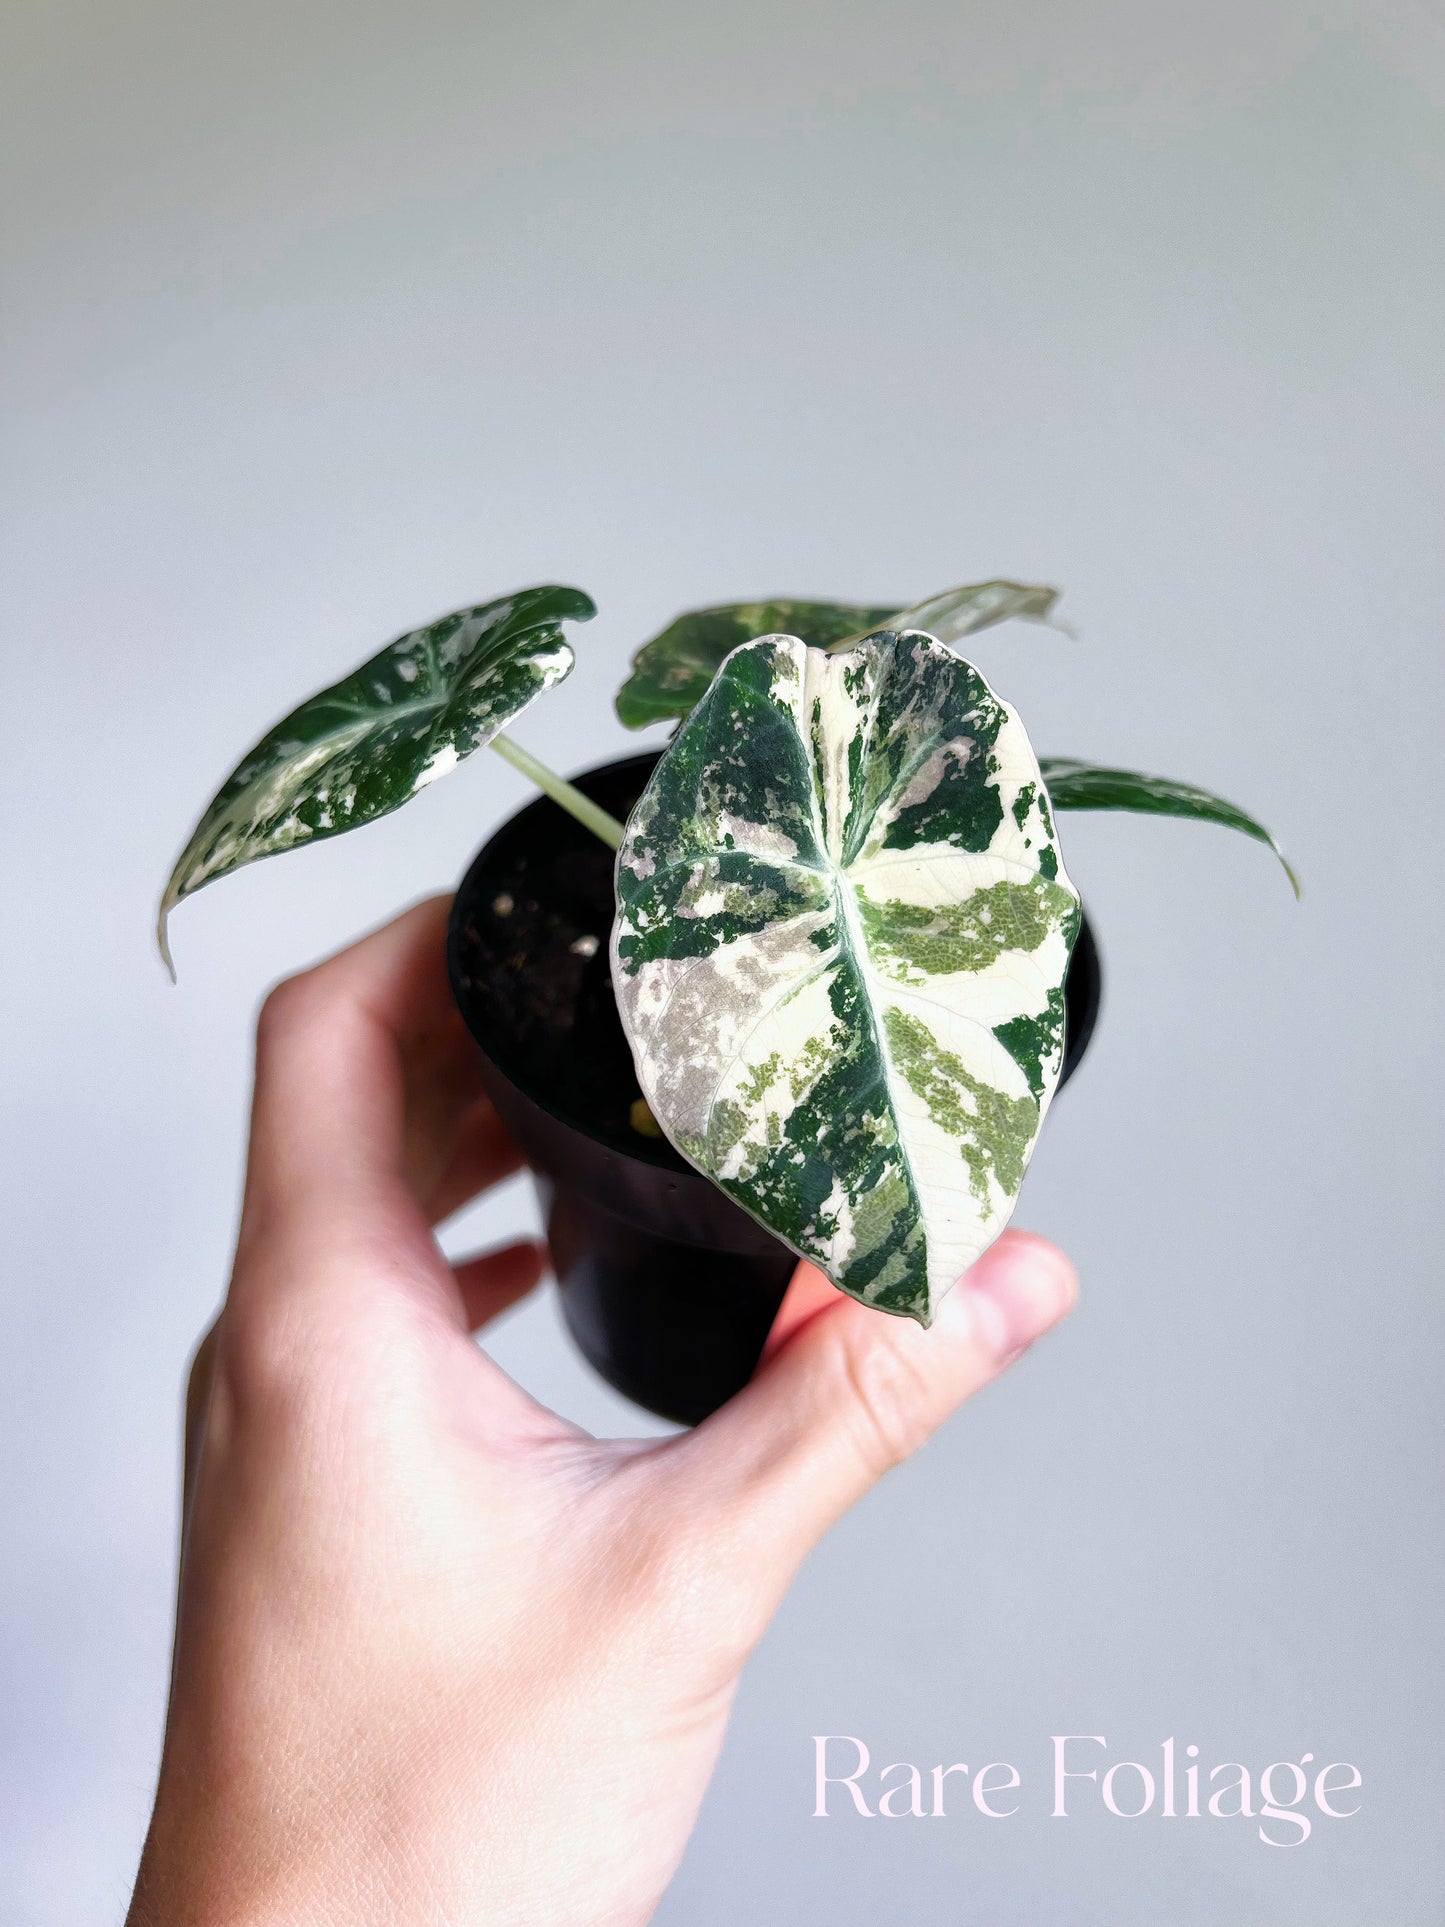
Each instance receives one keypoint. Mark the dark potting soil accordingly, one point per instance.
(533, 928)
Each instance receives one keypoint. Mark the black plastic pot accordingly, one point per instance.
(668, 1287)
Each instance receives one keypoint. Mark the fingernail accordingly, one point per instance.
(1016, 1292)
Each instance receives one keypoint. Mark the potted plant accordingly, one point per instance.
(804, 982)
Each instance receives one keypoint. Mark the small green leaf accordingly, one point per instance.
(367, 744)
(1087, 786)
(839, 955)
(672, 671)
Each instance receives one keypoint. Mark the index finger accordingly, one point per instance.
(333, 1048)
(356, 1061)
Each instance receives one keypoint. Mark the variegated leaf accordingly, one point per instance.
(1089, 786)
(957, 613)
(839, 954)
(368, 743)
(672, 671)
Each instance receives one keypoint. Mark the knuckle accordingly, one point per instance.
(203, 1358)
(285, 1006)
(264, 1359)
(312, 1002)
(885, 1396)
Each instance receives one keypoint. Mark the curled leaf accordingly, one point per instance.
(367, 744)
(839, 955)
(1073, 785)
(957, 613)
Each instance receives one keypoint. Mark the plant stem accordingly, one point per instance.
(566, 794)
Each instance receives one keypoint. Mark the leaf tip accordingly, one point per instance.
(163, 942)
(626, 712)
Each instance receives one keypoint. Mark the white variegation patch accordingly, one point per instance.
(841, 942)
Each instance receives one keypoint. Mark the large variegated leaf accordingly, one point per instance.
(1089, 786)
(672, 671)
(839, 954)
(365, 745)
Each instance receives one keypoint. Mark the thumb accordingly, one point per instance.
(845, 1392)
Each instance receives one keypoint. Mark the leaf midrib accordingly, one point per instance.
(846, 898)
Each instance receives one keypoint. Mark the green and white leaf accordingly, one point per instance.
(672, 672)
(839, 955)
(957, 613)
(1089, 786)
(367, 744)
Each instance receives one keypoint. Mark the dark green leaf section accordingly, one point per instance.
(1073, 785)
(925, 765)
(671, 673)
(364, 746)
(1033, 1042)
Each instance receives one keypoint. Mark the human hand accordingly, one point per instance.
(440, 1655)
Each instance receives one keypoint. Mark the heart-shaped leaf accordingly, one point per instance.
(368, 743)
(1088, 786)
(671, 673)
(839, 954)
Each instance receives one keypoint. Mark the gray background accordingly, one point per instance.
(322, 320)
